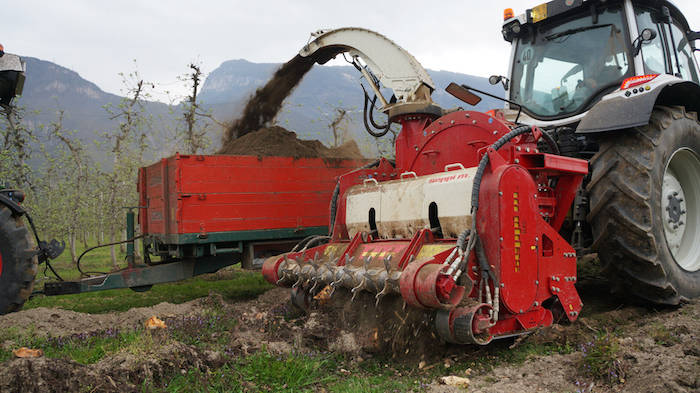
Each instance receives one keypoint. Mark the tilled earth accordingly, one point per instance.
(659, 349)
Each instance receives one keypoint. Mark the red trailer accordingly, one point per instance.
(200, 213)
(245, 206)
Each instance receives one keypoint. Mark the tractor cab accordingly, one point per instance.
(11, 78)
(569, 54)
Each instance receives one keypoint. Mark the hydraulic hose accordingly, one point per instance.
(87, 274)
(485, 160)
(471, 234)
(302, 243)
(368, 114)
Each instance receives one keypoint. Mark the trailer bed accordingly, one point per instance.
(199, 199)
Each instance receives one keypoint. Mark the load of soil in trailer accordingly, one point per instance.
(277, 142)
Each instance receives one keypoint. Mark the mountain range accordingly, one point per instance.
(50, 86)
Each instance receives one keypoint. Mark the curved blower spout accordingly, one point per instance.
(387, 64)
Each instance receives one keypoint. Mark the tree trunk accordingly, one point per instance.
(71, 241)
(112, 248)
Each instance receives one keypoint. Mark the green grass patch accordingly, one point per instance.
(664, 336)
(84, 348)
(354, 383)
(601, 359)
(263, 371)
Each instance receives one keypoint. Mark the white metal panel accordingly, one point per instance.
(402, 207)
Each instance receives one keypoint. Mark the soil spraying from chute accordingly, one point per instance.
(263, 106)
(252, 133)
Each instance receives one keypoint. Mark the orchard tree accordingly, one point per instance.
(337, 120)
(66, 181)
(192, 131)
(15, 148)
(128, 145)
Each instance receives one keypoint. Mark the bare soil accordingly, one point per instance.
(659, 348)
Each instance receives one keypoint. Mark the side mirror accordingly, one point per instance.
(645, 37)
(494, 79)
(463, 94)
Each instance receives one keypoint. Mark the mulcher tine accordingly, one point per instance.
(357, 289)
(387, 264)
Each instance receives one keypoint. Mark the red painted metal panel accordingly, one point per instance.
(190, 194)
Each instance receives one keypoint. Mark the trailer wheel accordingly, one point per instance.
(18, 262)
(645, 208)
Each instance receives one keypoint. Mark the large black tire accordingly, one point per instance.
(18, 262)
(645, 208)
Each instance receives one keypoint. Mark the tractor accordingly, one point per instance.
(480, 218)
(19, 254)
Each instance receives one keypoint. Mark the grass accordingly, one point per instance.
(601, 359)
(84, 348)
(263, 371)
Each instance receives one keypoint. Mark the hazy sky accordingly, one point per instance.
(100, 39)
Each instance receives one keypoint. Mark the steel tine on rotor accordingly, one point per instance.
(381, 294)
(367, 261)
(332, 266)
(316, 280)
(329, 267)
(357, 289)
(314, 261)
(284, 276)
(387, 263)
(296, 284)
(334, 283)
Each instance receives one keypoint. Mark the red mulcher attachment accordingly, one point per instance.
(493, 267)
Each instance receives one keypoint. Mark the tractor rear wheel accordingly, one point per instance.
(645, 208)
(18, 262)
